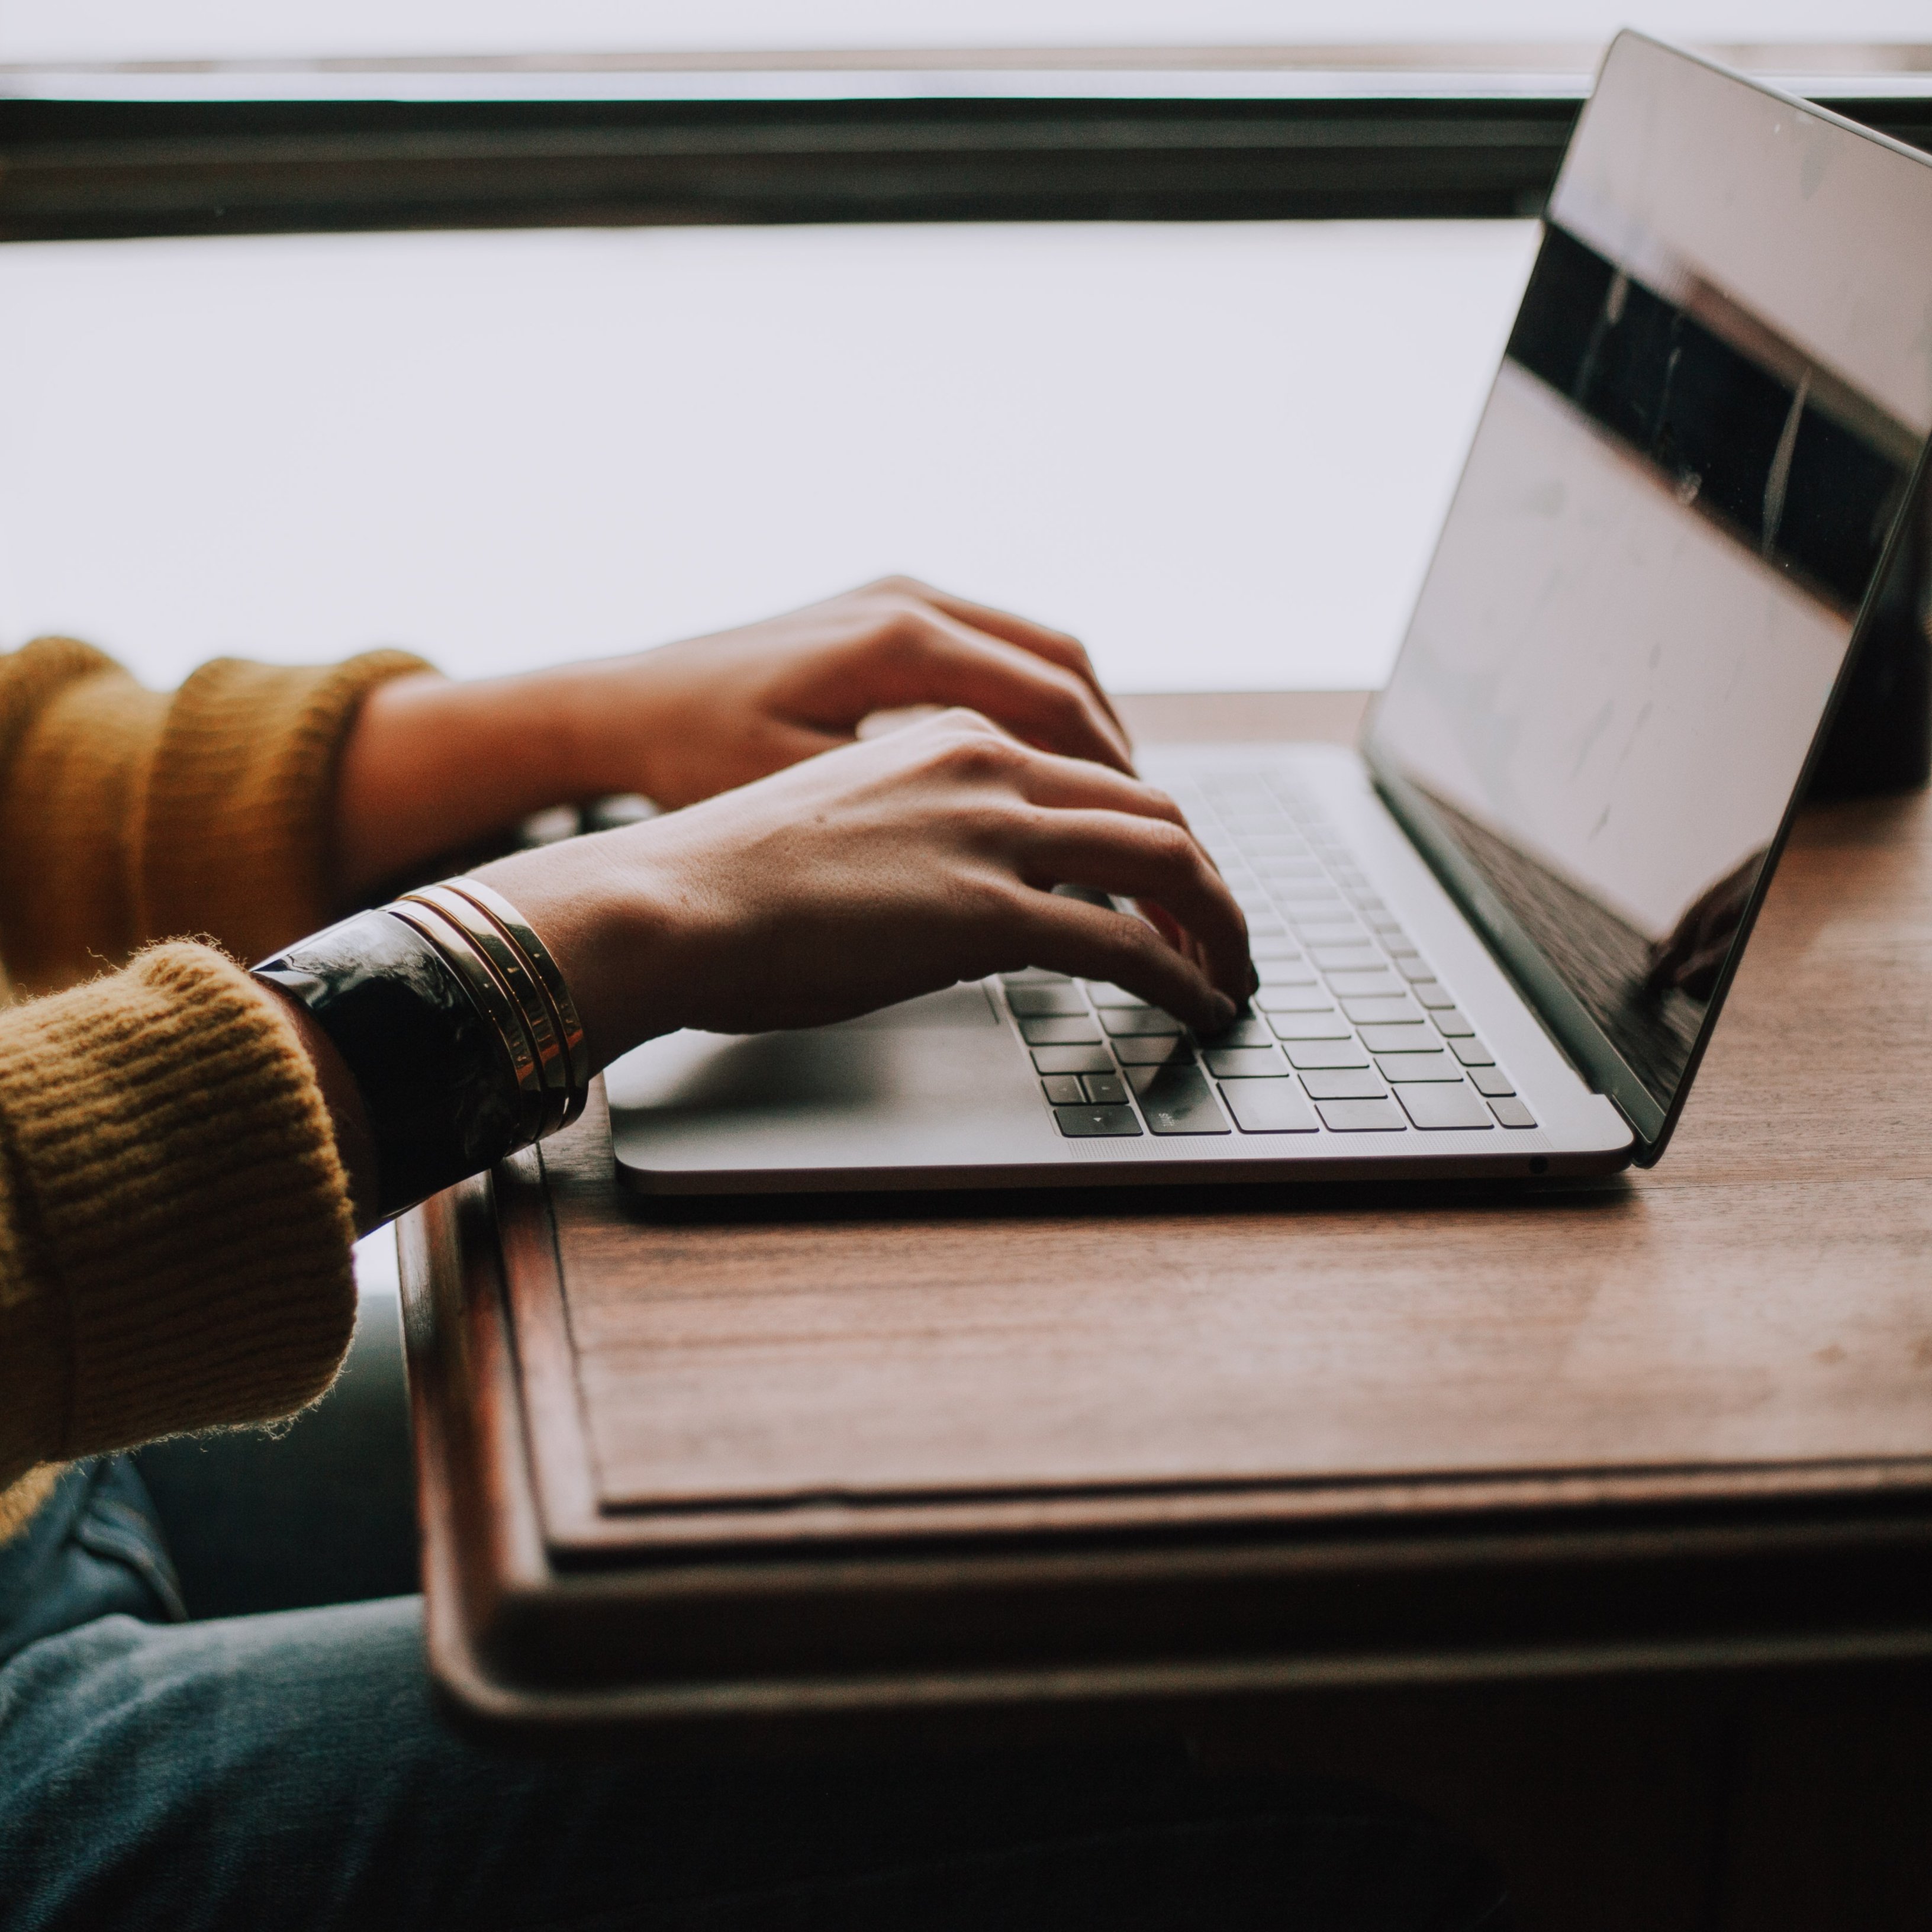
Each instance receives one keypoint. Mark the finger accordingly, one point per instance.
(940, 661)
(1154, 861)
(1056, 646)
(1065, 935)
(1049, 780)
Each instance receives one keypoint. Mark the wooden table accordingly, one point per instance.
(768, 1464)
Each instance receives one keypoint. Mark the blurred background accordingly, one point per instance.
(1218, 450)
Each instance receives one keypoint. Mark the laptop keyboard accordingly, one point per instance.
(1350, 1032)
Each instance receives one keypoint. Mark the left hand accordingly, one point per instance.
(432, 765)
(716, 712)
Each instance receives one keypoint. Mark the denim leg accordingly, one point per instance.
(93, 1548)
(320, 1510)
(288, 1771)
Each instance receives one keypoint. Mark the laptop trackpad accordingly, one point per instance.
(933, 1052)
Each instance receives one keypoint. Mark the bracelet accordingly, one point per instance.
(456, 1025)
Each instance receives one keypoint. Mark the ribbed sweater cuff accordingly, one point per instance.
(186, 1211)
(240, 799)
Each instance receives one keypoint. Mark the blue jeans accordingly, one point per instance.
(285, 1770)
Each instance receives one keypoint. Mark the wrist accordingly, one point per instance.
(622, 927)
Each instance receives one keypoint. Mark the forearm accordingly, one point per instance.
(434, 766)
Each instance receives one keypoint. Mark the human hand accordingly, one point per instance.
(690, 720)
(433, 765)
(879, 871)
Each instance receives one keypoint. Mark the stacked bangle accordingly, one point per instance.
(516, 987)
(457, 1024)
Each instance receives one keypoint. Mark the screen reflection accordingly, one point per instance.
(1704, 431)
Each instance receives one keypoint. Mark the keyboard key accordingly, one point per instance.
(1325, 938)
(1244, 1063)
(1102, 994)
(1072, 1060)
(1158, 1051)
(1058, 1032)
(1492, 1081)
(1472, 1053)
(1420, 1066)
(1138, 1023)
(1326, 1053)
(1246, 1031)
(1176, 1100)
(1326, 1025)
(1410, 968)
(1345, 1085)
(1294, 1000)
(1272, 947)
(1346, 959)
(1363, 985)
(1033, 975)
(1032, 1002)
(1430, 994)
(1064, 1090)
(1385, 1011)
(1285, 973)
(1361, 1117)
(1438, 1108)
(1269, 1107)
(1450, 1023)
(1417, 1039)
(1512, 1113)
(1082, 1123)
(1106, 1089)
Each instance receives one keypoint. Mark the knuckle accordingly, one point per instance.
(1068, 699)
(904, 628)
(974, 751)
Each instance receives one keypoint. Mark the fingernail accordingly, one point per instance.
(1224, 1013)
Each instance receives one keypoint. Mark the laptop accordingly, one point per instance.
(1494, 940)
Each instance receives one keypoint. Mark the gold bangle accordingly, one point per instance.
(493, 1001)
(537, 955)
(520, 981)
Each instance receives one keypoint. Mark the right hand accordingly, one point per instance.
(876, 872)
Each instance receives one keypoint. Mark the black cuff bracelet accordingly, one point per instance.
(442, 1096)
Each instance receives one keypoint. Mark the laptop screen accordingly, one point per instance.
(1695, 455)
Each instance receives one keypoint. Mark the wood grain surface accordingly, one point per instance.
(1755, 1314)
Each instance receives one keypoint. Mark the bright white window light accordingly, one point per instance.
(1220, 452)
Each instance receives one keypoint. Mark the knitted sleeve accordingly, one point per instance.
(175, 1227)
(127, 815)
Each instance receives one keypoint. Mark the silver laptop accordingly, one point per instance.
(1495, 939)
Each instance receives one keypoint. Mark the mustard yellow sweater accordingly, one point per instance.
(175, 1231)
